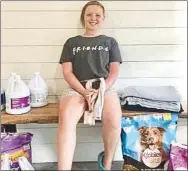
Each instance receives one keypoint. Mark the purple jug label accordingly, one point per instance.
(19, 103)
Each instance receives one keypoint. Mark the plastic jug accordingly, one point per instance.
(38, 90)
(10, 81)
(17, 96)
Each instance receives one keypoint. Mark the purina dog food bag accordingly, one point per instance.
(146, 141)
(15, 145)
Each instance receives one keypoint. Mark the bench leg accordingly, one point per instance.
(8, 128)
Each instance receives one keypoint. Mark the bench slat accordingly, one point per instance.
(49, 114)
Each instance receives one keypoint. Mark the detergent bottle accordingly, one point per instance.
(38, 90)
(17, 96)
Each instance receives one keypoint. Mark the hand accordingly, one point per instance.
(90, 95)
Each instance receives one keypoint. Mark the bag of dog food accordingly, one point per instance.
(178, 157)
(146, 140)
(15, 145)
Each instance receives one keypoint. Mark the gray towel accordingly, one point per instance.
(159, 93)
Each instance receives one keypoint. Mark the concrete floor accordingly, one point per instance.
(117, 165)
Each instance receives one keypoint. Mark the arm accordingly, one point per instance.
(66, 61)
(115, 61)
(73, 81)
(113, 74)
(71, 78)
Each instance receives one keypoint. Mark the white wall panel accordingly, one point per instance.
(61, 19)
(39, 54)
(49, 135)
(127, 69)
(56, 86)
(83, 152)
(21, 37)
(77, 5)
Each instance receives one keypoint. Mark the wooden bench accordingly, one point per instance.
(49, 114)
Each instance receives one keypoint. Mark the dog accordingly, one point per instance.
(152, 138)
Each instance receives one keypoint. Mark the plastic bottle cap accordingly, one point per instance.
(37, 73)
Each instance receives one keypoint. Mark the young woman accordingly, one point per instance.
(86, 57)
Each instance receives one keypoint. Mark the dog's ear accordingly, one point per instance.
(141, 129)
(162, 130)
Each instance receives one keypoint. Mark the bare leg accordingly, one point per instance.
(71, 110)
(111, 127)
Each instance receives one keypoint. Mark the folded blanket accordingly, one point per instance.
(164, 105)
(150, 109)
(159, 93)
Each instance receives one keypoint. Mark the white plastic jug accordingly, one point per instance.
(9, 85)
(2, 99)
(17, 97)
(10, 81)
(38, 90)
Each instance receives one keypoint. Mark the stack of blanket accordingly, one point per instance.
(151, 99)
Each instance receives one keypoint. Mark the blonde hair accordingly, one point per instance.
(84, 9)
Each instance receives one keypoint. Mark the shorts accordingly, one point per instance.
(71, 92)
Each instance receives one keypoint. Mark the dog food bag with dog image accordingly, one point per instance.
(146, 140)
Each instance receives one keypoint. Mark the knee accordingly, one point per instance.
(64, 106)
(70, 102)
(112, 121)
(70, 107)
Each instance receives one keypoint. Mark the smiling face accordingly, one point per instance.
(93, 17)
